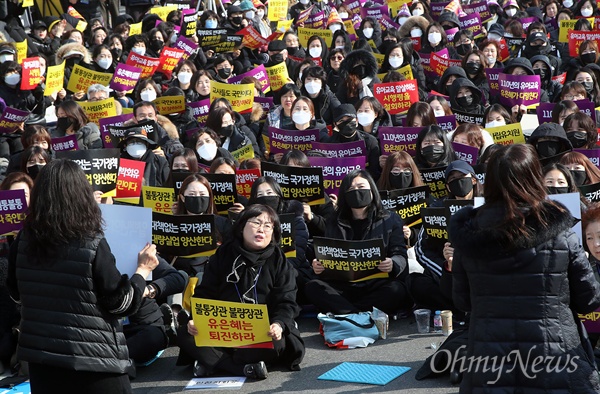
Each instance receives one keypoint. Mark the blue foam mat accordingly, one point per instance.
(364, 373)
(22, 388)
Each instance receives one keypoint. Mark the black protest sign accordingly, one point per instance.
(210, 37)
(223, 189)
(178, 178)
(435, 225)
(297, 183)
(464, 117)
(480, 172)
(352, 261)
(591, 192)
(288, 234)
(229, 45)
(101, 166)
(184, 235)
(147, 127)
(406, 202)
(434, 178)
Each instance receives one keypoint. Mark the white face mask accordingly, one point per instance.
(439, 112)
(343, 15)
(417, 12)
(495, 123)
(402, 20)
(250, 14)
(315, 51)
(301, 117)
(313, 87)
(104, 63)
(184, 77)
(491, 60)
(339, 47)
(434, 38)
(304, 1)
(335, 27)
(395, 61)
(368, 32)
(12, 79)
(207, 151)
(6, 58)
(568, 3)
(416, 33)
(136, 149)
(511, 11)
(365, 118)
(139, 50)
(586, 12)
(260, 14)
(148, 95)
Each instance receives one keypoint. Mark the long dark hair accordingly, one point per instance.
(514, 181)
(212, 209)
(439, 134)
(62, 207)
(344, 211)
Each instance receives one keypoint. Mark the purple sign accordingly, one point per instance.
(282, 141)
(13, 209)
(527, 21)
(188, 46)
(354, 6)
(68, 142)
(387, 23)
(335, 170)
(471, 22)
(591, 321)
(450, 34)
(437, 8)
(200, 110)
(259, 73)
(316, 21)
(125, 77)
(425, 62)
(544, 112)
(588, 108)
(266, 103)
(481, 8)
(551, 25)
(492, 77)
(346, 149)
(592, 154)
(396, 139)
(465, 152)
(105, 123)
(375, 12)
(447, 123)
(12, 119)
(519, 89)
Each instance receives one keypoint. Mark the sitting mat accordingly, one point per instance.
(364, 373)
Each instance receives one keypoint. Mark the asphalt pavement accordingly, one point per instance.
(403, 347)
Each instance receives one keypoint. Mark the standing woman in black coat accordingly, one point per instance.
(71, 293)
(520, 271)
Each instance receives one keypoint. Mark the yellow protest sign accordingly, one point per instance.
(170, 104)
(284, 26)
(244, 153)
(569, 24)
(379, 58)
(278, 10)
(304, 34)
(82, 78)
(267, 142)
(54, 79)
(508, 134)
(162, 12)
(230, 324)
(241, 97)
(278, 75)
(126, 111)
(21, 51)
(135, 29)
(96, 110)
(27, 3)
(349, 27)
(159, 199)
(406, 71)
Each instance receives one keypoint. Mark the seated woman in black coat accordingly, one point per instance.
(250, 267)
(361, 216)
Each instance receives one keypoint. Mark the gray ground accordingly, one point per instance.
(403, 348)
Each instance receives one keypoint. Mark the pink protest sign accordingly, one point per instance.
(519, 89)
(259, 73)
(125, 77)
(187, 45)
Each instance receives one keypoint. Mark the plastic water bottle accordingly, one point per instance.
(437, 322)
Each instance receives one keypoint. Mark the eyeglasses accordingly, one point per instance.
(338, 58)
(398, 171)
(255, 224)
(574, 97)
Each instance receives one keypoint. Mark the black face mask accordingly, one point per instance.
(472, 68)
(401, 181)
(557, 190)
(541, 72)
(63, 124)
(292, 50)
(157, 45)
(531, 51)
(179, 170)
(588, 58)
(236, 20)
(463, 49)
(465, 101)
(227, 131)
(270, 201)
(577, 138)
(579, 176)
(224, 72)
(359, 198)
(548, 148)
(360, 71)
(461, 187)
(116, 53)
(589, 86)
(277, 58)
(433, 153)
(70, 63)
(347, 128)
(34, 170)
(196, 204)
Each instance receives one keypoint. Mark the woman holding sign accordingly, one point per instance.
(250, 268)
(361, 216)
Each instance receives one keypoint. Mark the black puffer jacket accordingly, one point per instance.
(522, 297)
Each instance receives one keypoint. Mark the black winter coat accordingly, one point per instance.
(522, 297)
